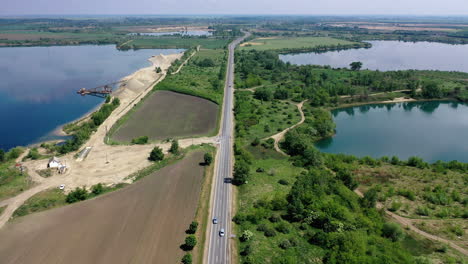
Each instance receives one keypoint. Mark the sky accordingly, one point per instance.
(293, 7)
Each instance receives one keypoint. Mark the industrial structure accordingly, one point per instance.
(100, 91)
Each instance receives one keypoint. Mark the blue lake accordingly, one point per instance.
(170, 33)
(390, 56)
(38, 86)
(431, 130)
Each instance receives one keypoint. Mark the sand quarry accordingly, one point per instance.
(108, 165)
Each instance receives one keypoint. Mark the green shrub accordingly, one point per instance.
(422, 210)
(190, 242)
(140, 140)
(208, 158)
(174, 147)
(156, 154)
(187, 259)
(79, 194)
(283, 182)
(97, 189)
(192, 228)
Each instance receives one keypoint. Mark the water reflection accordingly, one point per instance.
(38, 85)
(392, 55)
(431, 130)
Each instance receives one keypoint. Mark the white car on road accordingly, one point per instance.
(62, 186)
(221, 232)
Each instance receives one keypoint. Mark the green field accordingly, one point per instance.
(193, 79)
(279, 43)
(12, 182)
(175, 42)
(166, 115)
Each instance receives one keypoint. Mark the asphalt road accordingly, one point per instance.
(218, 247)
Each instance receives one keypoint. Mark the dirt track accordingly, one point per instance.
(133, 225)
(277, 137)
(408, 223)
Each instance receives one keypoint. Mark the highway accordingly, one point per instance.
(218, 247)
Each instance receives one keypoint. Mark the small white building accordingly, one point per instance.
(54, 162)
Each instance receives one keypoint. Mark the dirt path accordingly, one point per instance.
(408, 223)
(278, 137)
(105, 163)
(185, 62)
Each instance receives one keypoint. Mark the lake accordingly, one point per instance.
(38, 86)
(392, 55)
(183, 33)
(431, 130)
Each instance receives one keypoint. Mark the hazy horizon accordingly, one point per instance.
(239, 7)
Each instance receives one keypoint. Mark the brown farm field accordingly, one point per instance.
(166, 114)
(142, 223)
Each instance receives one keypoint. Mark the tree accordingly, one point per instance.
(187, 259)
(263, 94)
(246, 235)
(392, 231)
(370, 198)
(2, 155)
(158, 70)
(156, 154)
(192, 228)
(190, 242)
(108, 99)
(208, 158)
(79, 194)
(255, 142)
(356, 65)
(431, 90)
(241, 172)
(174, 147)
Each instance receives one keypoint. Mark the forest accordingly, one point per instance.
(303, 208)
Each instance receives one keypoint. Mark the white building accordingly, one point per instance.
(54, 162)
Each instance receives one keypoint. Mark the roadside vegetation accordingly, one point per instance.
(303, 208)
(54, 198)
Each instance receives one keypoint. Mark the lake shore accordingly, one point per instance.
(394, 101)
(133, 82)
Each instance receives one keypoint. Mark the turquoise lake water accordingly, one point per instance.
(431, 130)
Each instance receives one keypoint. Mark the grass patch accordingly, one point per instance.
(175, 42)
(260, 119)
(205, 82)
(293, 43)
(42, 201)
(423, 193)
(12, 181)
